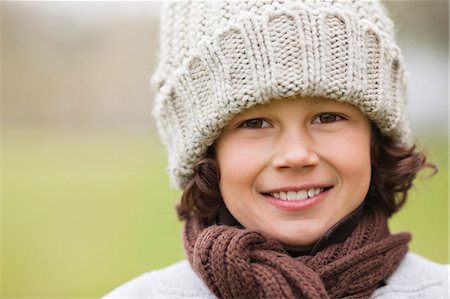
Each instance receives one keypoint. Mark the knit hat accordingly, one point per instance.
(218, 59)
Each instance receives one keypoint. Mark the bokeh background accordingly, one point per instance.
(85, 200)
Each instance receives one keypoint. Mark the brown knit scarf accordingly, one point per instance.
(240, 263)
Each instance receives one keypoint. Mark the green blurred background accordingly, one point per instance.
(85, 199)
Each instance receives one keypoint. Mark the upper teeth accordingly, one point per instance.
(297, 195)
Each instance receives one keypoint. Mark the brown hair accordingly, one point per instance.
(393, 172)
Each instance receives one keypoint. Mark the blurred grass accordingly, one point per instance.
(427, 208)
(84, 212)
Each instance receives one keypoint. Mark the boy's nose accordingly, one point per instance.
(295, 151)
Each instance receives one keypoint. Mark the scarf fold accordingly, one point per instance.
(240, 263)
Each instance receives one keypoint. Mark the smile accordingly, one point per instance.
(297, 195)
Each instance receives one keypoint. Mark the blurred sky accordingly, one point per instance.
(87, 64)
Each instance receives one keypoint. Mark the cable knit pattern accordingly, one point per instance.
(240, 263)
(219, 58)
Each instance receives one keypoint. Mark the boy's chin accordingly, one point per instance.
(299, 240)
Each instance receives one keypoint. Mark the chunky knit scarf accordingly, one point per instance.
(240, 263)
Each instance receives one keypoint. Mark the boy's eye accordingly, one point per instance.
(256, 123)
(327, 118)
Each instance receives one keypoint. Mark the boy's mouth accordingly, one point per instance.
(297, 195)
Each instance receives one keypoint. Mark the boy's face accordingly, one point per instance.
(314, 152)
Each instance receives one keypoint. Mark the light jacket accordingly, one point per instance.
(415, 278)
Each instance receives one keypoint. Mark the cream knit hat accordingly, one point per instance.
(219, 58)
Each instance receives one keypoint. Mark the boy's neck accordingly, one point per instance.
(336, 234)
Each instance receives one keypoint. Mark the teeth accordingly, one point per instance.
(302, 194)
(297, 195)
(292, 195)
